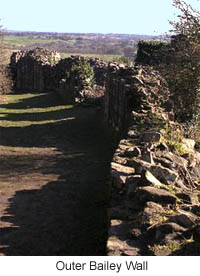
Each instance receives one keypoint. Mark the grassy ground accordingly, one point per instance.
(54, 163)
(18, 41)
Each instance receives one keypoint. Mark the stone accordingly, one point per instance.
(139, 165)
(155, 207)
(132, 134)
(132, 152)
(124, 170)
(164, 162)
(119, 179)
(119, 228)
(188, 144)
(148, 157)
(152, 213)
(195, 209)
(123, 147)
(120, 160)
(119, 174)
(149, 193)
(135, 233)
(163, 147)
(169, 227)
(164, 174)
(160, 232)
(175, 159)
(186, 220)
(149, 179)
(185, 197)
(132, 183)
(151, 137)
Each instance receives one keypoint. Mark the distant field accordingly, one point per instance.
(18, 41)
(108, 47)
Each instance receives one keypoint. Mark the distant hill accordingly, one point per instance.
(85, 43)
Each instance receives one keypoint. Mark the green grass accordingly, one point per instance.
(25, 41)
(29, 115)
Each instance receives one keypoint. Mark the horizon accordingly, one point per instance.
(81, 33)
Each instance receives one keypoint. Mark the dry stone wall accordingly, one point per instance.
(155, 200)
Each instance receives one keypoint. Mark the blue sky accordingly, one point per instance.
(100, 16)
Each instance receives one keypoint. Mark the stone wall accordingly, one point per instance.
(41, 70)
(155, 200)
(132, 88)
(33, 70)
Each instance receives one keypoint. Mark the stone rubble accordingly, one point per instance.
(159, 199)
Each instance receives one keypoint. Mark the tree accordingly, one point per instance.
(5, 79)
(183, 72)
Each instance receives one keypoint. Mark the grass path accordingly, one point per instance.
(54, 161)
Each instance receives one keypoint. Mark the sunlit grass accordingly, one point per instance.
(27, 115)
(25, 41)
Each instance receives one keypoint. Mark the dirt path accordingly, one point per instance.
(54, 161)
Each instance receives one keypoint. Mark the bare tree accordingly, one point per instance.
(183, 72)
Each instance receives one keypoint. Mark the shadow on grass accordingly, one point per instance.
(66, 216)
(35, 101)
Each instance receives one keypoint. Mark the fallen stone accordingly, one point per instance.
(149, 193)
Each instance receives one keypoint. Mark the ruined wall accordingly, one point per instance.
(33, 70)
(155, 200)
(41, 70)
(132, 89)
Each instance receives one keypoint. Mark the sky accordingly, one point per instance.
(90, 16)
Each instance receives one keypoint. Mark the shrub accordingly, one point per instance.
(5, 78)
(150, 51)
(183, 72)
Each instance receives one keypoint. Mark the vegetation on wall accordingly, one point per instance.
(183, 73)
